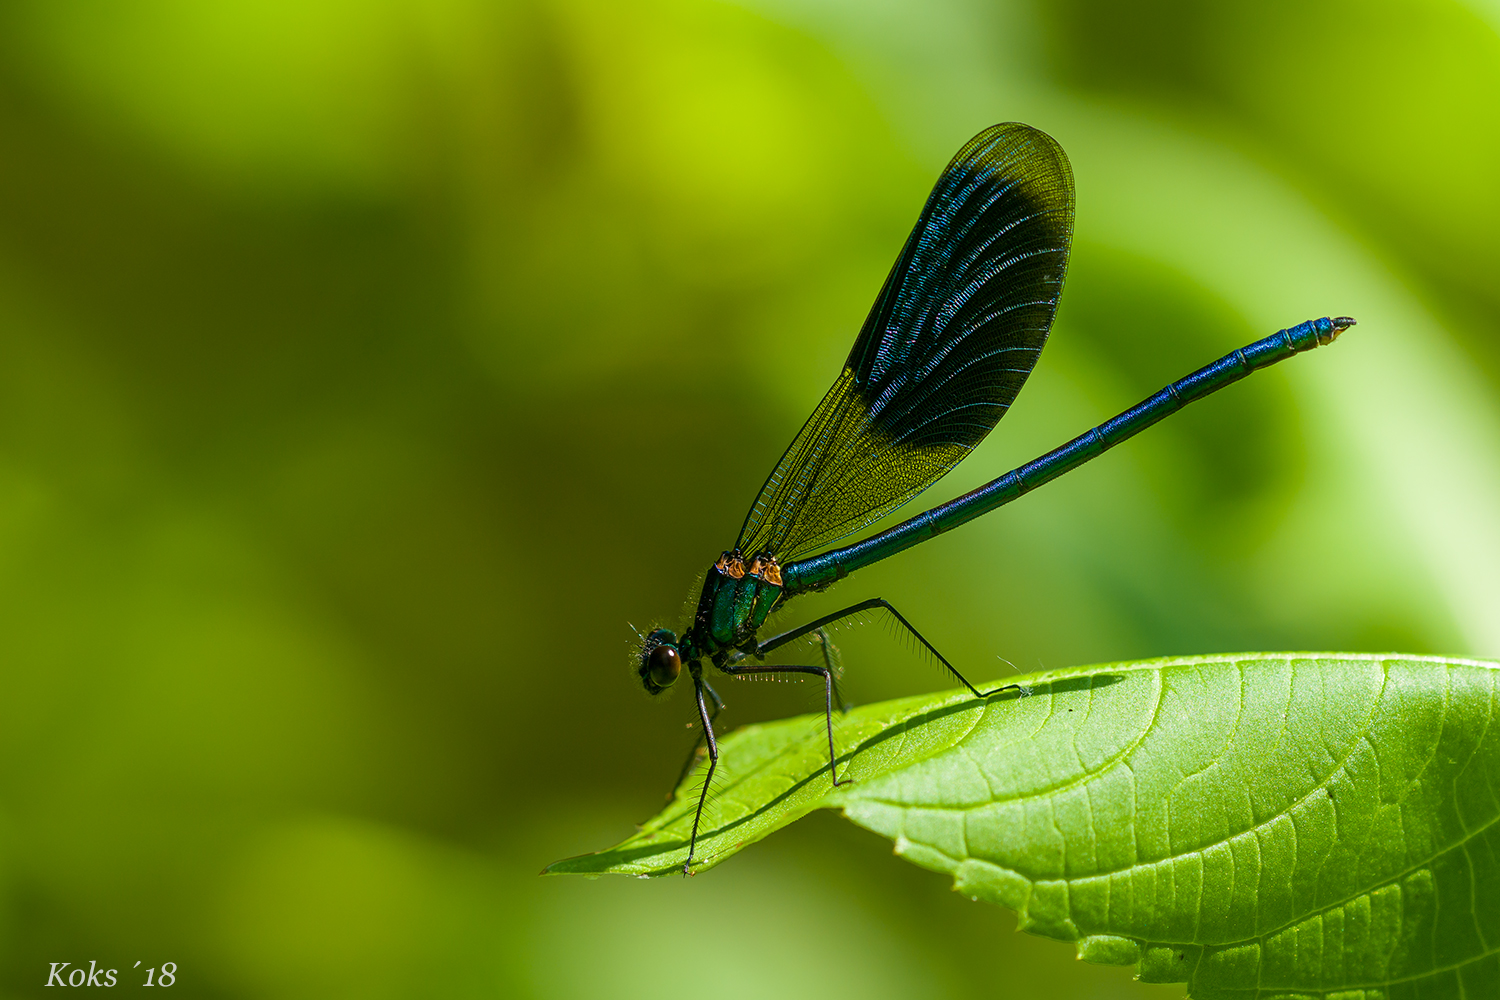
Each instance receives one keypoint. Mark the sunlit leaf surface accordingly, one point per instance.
(365, 368)
(1258, 825)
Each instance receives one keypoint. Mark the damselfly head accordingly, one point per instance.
(660, 661)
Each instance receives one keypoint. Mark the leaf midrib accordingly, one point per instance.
(1321, 786)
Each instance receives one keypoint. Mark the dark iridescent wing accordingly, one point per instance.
(956, 329)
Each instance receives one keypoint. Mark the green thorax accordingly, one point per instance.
(736, 600)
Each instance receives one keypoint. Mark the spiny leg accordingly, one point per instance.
(877, 603)
(827, 649)
(692, 757)
(832, 662)
(823, 672)
(713, 763)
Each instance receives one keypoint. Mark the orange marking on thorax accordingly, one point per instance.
(765, 567)
(731, 565)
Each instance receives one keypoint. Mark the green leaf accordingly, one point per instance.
(1266, 825)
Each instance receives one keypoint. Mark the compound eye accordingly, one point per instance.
(664, 664)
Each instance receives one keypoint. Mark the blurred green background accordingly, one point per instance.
(365, 368)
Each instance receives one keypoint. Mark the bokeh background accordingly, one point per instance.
(367, 369)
